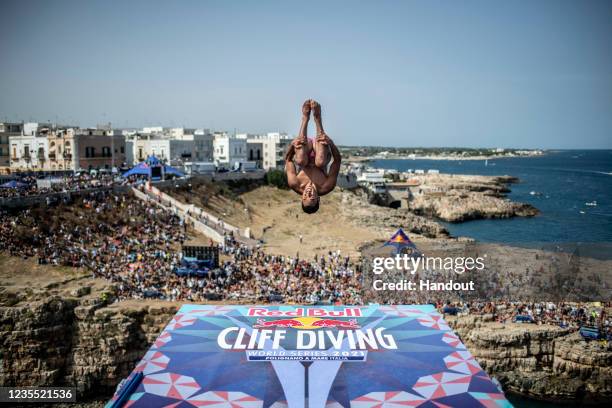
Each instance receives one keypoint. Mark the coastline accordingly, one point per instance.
(355, 159)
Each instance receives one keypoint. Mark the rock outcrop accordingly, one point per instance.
(76, 342)
(543, 362)
(387, 220)
(459, 205)
(457, 198)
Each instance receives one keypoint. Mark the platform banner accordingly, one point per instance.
(317, 357)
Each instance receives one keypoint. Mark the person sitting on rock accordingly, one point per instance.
(312, 158)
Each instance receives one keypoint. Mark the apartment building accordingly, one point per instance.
(99, 149)
(229, 151)
(174, 151)
(7, 129)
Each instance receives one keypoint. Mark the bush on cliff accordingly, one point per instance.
(277, 178)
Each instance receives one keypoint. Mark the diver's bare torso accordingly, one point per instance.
(315, 175)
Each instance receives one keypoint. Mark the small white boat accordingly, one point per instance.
(582, 212)
(591, 204)
(535, 193)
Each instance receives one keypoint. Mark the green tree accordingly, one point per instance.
(277, 178)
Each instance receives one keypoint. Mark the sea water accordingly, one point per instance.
(562, 183)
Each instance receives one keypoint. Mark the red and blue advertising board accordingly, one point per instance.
(318, 357)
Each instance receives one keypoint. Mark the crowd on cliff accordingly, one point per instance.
(136, 245)
(571, 315)
(27, 185)
(328, 278)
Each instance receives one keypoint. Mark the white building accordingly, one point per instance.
(229, 151)
(180, 133)
(30, 150)
(153, 129)
(169, 150)
(372, 176)
(268, 150)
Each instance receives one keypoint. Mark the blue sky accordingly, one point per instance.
(402, 73)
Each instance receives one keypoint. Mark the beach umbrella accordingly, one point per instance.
(225, 399)
(170, 385)
(152, 362)
(442, 384)
(402, 244)
(463, 362)
(388, 399)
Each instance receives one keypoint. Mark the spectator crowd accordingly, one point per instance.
(136, 245)
(27, 185)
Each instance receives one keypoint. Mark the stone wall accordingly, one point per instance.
(76, 342)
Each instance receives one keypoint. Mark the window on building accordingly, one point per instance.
(14, 152)
(26, 151)
(122, 149)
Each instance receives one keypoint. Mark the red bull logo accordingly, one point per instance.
(261, 323)
(341, 324)
(307, 323)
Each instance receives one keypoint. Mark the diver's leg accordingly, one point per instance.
(321, 147)
(301, 143)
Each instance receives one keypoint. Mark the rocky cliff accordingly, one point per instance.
(80, 342)
(544, 362)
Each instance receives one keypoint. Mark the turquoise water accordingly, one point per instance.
(564, 181)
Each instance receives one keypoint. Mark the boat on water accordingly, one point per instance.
(535, 193)
(591, 203)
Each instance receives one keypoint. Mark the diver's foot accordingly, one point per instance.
(315, 107)
(306, 108)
